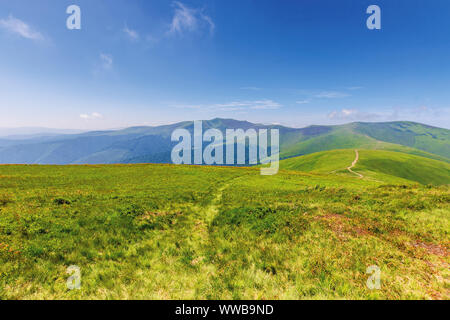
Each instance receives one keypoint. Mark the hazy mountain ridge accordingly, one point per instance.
(153, 144)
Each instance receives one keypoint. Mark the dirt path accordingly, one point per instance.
(354, 164)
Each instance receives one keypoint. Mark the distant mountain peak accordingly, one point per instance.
(153, 144)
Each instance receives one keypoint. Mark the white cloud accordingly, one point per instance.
(209, 21)
(131, 34)
(331, 95)
(265, 104)
(255, 105)
(92, 116)
(183, 106)
(354, 115)
(188, 19)
(303, 101)
(106, 61)
(422, 114)
(20, 28)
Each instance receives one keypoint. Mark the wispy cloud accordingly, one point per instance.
(92, 116)
(18, 27)
(355, 88)
(106, 61)
(331, 95)
(422, 114)
(133, 35)
(265, 104)
(188, 19)
(355, 115)
(255, 105)
(307, 96)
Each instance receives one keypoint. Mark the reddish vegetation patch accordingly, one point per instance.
(5, 248)
(339, 224)
(431, 248)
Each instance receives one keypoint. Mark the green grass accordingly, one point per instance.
(353, 136)
(181, 232)
(430, 139)
(380, 164)
(325, 161)
(384, 166)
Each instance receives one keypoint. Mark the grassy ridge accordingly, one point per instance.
(430, 139)
(325, 161)
(162, 231)
(409, 167)
(344, 138)
(386, 166)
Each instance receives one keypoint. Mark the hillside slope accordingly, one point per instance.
(411, 134)
(378, 164)
(386, 166)
(345, 137)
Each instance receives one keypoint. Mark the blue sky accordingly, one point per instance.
(148, 62)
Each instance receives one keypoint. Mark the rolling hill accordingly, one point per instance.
(385, 166)
(351, 136)
(153, 144)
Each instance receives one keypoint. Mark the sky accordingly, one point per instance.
(152, 62)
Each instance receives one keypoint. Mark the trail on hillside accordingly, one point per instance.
(213, 208)
(354, 164)
(205, 217)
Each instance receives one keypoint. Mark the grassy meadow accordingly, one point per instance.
(380, 165)
(198, 232)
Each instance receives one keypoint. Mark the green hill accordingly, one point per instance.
(351, 136)
(411, 134)
(323, 162)
(410, 167)
(382, 165)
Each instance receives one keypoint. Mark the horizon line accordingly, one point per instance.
(80, 131)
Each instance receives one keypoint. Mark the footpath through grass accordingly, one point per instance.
(180, 232)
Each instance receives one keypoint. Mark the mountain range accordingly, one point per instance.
(154, 145)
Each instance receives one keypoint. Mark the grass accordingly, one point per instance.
(381, 165)
(189, 232)
(347, 138)
(410, 167)
(430, 139)
(325, 161)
